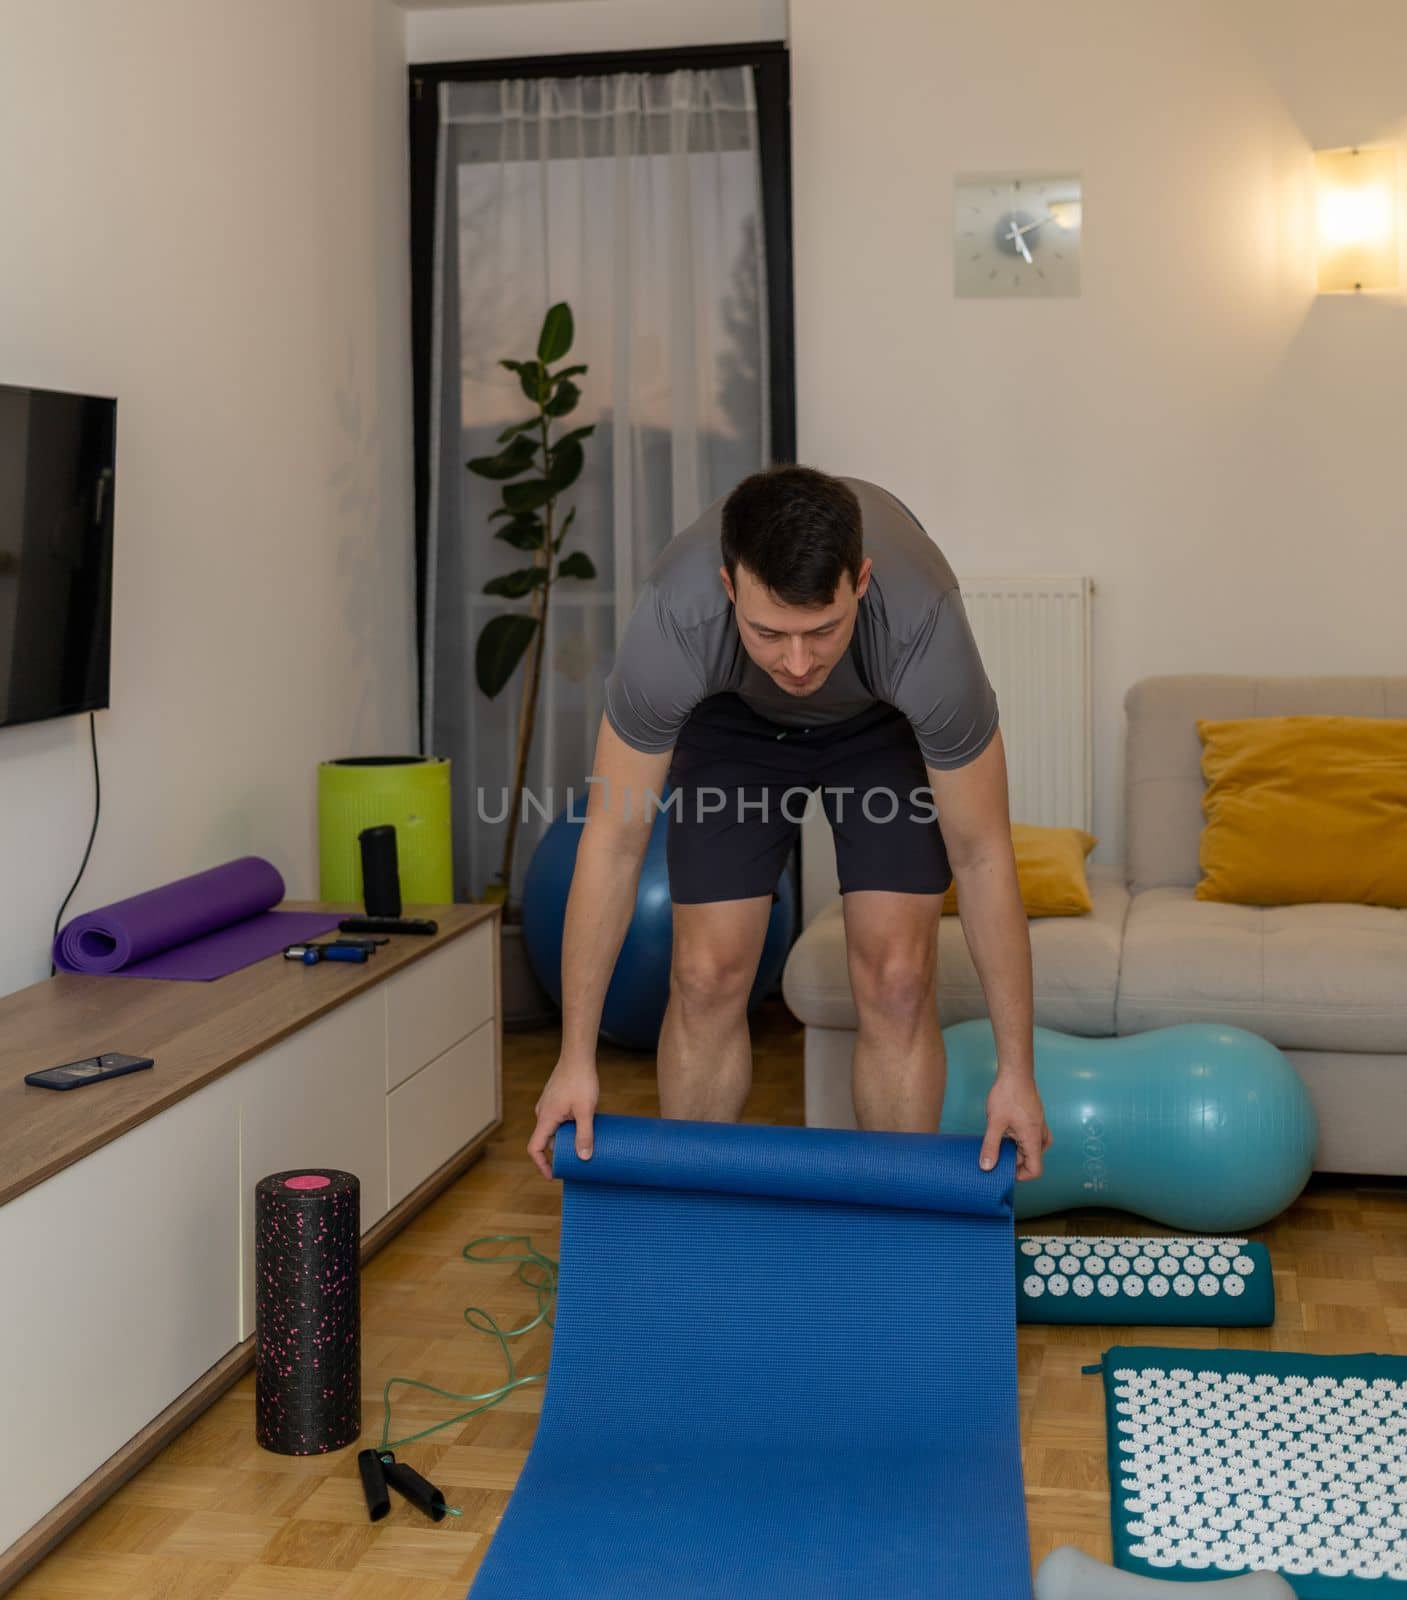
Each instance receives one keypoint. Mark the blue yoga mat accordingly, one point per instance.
(784, 1365)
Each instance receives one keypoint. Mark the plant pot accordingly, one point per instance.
(526, 1004)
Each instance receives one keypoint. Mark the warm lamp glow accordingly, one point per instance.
(1357, 206)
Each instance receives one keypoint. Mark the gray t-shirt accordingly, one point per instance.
(912, 646)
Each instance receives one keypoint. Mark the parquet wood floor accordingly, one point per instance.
(214, 1517)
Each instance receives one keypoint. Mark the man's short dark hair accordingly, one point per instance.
(796, 530)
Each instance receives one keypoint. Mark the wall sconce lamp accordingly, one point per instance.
(1356, 195)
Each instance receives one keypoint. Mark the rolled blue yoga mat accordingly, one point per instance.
(784, 1364)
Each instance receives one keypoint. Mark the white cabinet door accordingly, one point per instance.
(317, 1099)
(442, 1108)
(438, 1001)
(119, 1291)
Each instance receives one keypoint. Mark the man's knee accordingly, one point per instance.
(893, 985)
(710, 978)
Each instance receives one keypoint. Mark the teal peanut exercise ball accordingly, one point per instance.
(1198, 1126)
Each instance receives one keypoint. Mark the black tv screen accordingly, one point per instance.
(57, 460)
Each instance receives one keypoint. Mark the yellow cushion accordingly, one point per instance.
(1302, 809)
(1050, 866)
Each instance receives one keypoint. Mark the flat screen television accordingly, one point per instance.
(57, 462)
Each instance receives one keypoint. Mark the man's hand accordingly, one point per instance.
(974, 815)
(1014, 1107)
(570, 1096)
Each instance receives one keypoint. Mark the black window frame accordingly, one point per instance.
(771, 66)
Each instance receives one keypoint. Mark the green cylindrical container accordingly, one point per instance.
(409, 792)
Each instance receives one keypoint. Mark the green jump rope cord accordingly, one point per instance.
(539, 1273)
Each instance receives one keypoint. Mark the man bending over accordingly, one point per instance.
(804, 633)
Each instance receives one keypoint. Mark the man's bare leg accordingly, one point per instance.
(900, 1067)
(705, 1050)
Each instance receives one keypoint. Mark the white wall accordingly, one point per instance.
(1218, 448)
(564, 27)
(1212, 443)
(204, 208)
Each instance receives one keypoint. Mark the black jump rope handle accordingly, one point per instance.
(378, 1502)
(379, 1468)
(416, 1489)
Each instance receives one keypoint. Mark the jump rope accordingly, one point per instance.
(379, 1467)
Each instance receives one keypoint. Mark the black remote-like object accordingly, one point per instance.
(92, 1069)
(387, 925)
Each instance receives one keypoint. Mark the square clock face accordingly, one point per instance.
(1016, 235)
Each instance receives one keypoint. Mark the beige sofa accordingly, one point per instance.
(1327, 983)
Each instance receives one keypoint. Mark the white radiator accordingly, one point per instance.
(1034, 635)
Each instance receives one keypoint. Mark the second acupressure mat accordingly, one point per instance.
(784, 1365)
(1228, 1461)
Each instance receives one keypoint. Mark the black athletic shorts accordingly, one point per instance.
(741, 785)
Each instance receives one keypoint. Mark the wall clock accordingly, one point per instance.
(1016, 236)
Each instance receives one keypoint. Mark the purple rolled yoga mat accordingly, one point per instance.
(197, 928)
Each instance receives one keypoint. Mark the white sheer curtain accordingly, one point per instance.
(636, 198)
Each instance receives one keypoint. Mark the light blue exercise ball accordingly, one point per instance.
(1198, 1126)
(639, 988)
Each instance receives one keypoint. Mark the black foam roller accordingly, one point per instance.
(307, 1304)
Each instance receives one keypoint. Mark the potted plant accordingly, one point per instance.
(536, 466)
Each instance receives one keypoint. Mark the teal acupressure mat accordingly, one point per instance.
(1148, 1282)
(783, 1366)
(1228, 1461)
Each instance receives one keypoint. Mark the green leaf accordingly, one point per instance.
(500, 649)
(577, 565)
(518, 427)
(532, 375)
(521, 497)
(566, 523)
(576, 433)
(514, 585)
(523, 533)
(564, 400)
(564, 465)
(556, 337)
(518, 457)
(564, 372)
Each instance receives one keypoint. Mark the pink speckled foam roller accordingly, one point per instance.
(307, 1311)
